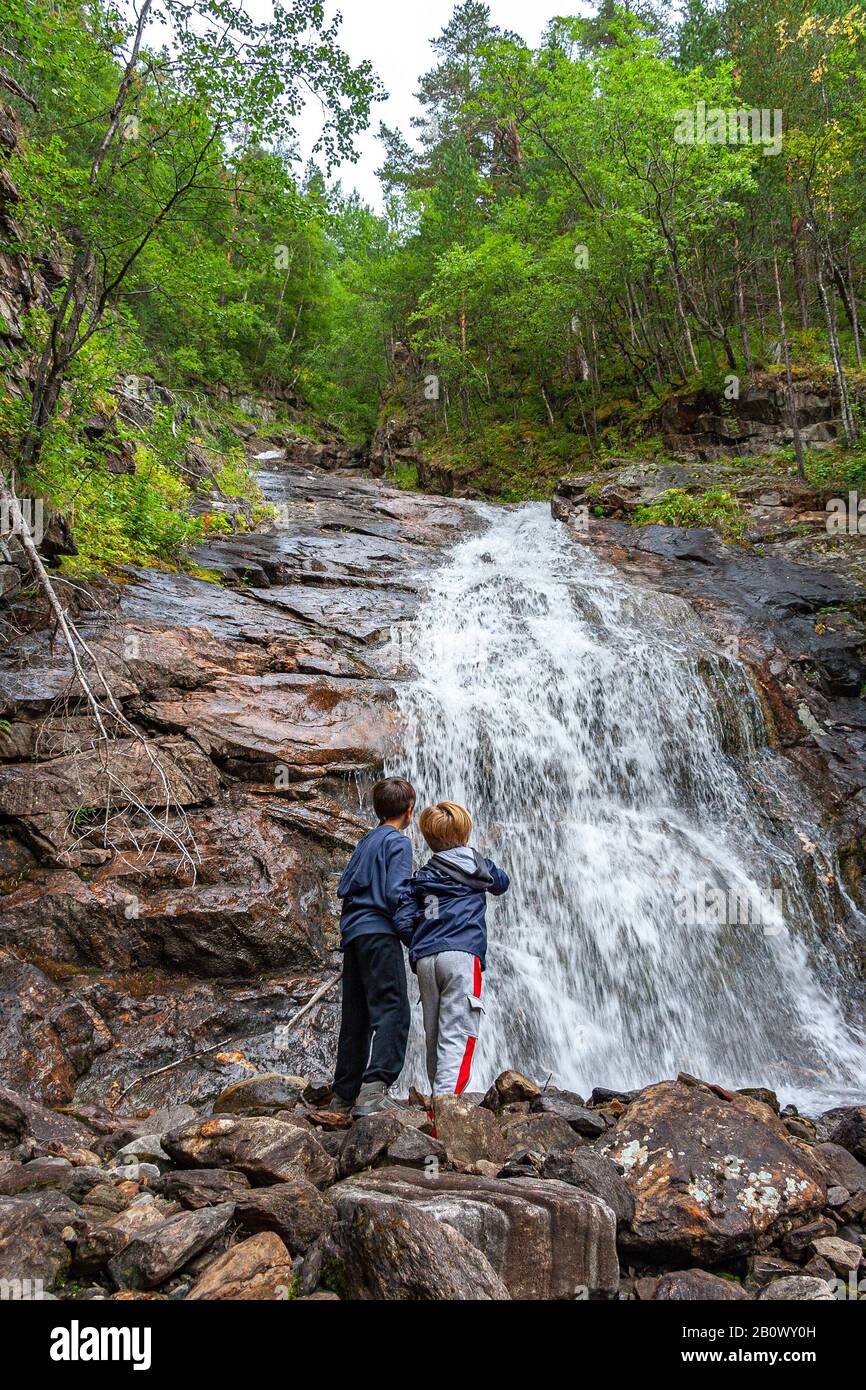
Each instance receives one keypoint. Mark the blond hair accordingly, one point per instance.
(445, 825)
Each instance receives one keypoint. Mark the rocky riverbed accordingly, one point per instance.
(682, 1191)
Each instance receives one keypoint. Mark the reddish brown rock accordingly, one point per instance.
(257, 1268)
(470, 1133)
(711, 1178)
(264, 1149)
(544, 1239)
(295, 1210)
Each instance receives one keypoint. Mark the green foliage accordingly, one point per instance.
(676, 507)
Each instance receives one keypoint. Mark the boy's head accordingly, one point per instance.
(394, 801)
(445, 826)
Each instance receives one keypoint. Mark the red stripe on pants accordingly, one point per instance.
(465, 1067)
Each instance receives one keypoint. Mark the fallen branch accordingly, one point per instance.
(108, 712)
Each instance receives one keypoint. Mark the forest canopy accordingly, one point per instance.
(647, 200)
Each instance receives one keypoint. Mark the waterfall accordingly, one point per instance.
(617, 766)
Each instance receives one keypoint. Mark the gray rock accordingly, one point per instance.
(414, 1149)
(392, 1252)
(153, 1256)
(798, 1287)
(593, 1172)
(133, 1172)
(147, 1149)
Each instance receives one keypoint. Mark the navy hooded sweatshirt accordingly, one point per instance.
(373, 884)
(445, 904)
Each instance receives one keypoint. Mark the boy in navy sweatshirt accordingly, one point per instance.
(445, 908)
(374, 1027)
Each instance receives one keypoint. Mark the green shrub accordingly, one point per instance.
(676, 507)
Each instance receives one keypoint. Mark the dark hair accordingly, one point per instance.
(392, 797)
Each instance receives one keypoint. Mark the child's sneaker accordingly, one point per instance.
(338, 1106)
(372, 1097)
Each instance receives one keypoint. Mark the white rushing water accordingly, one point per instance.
(611, 759)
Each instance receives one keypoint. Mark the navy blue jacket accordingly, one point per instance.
(445, 907)
(373, 884)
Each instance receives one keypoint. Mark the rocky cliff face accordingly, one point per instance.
(258, 711)
(786, 599)
(707, 425)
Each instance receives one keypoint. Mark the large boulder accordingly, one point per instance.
(264, 1149)
(257, 1268)
(710, 1177)
(390, 1251)
(33, 1254)
(295, 1210)
(544, 1239)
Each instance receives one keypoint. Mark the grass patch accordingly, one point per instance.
(715, 508)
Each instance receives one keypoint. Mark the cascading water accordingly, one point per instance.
(610, 759)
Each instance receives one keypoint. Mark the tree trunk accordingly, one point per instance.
(789, 380)
(838, 366)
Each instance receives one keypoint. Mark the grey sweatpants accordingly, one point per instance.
(450, 985)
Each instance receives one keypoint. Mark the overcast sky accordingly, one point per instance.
(395, 35)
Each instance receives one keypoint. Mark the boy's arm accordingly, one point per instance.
(500, 878)
(398, 889)
(398, 871)
(406, 915)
